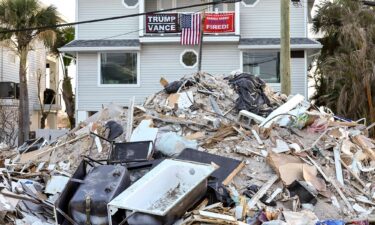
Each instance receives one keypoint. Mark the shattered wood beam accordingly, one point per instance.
(177, 121)
(262, 191)
(353, 174)
(61, 145)
(319, 169)
(346, 201)
(233, 174)
(359, 140)
(217, 216)
(248, 139)
(334, 184)
(129, 124)
(339, 123)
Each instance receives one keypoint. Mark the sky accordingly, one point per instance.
(65, 7)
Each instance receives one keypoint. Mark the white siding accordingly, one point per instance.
(95, 9)
(156, 61)
(298, 73)
(36, 61)
(263, 20)
(9, 65)
(36, 67)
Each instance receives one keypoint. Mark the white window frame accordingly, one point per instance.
(138, 84)
(182, 62)
(128, 6)
(247, 5)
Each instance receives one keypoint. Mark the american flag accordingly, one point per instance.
(190, 29)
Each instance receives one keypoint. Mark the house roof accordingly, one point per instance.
(276, 41)
(95, 45)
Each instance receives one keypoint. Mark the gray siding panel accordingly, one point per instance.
(94, 9)
(263, 20)
(155, 62)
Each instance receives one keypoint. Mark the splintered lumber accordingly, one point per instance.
(353, 174)
(170, 119)
(233, 174)
(361, 141)
(262, 191)
(129, 124)
(61, 145)
(339, 123)
(217, 216)
(334, 184)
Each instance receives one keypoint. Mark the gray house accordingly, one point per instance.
(119, 59)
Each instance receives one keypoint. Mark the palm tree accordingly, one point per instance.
(345, 76)
(63, 37)
(21, 14)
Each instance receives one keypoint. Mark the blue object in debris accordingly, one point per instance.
(330, 222)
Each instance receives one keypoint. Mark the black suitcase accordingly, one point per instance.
(100, 186)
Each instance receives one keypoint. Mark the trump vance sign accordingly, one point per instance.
(162, 23)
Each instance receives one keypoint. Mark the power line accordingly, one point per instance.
(104, 38)
(369, 3)
(117, 17)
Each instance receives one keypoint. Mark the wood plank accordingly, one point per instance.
(262, 191)
(217, 216)
(360, 140)
(233, 174)
(129, 124)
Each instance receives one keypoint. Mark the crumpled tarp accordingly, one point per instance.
(251, 95)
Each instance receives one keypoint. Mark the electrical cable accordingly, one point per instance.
(116, 17)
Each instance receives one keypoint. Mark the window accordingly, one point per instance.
(118, 68)
(189, 58)
(263, 65)
(250, 3)
(130, 3)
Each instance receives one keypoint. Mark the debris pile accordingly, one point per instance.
(204, 150)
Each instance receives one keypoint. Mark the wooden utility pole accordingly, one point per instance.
(201, 43)
(285, 46)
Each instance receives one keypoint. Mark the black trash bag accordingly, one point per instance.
(115, 130)
(251, 94)
(175, 85)
(217, 192)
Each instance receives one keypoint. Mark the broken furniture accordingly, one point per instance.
(164, 194)
(124, 152)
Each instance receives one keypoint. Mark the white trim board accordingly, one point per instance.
(178, 39)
